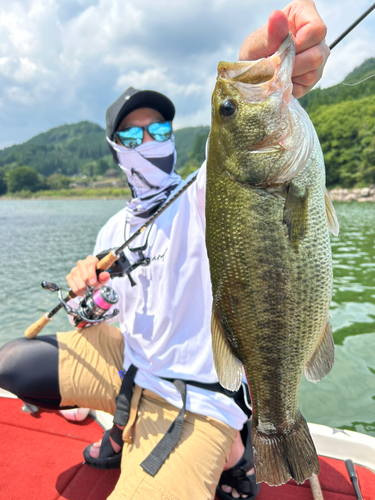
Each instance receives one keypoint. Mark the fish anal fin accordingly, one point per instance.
(228, 366)
(332, 222)
(321, 362)
(281, 456)
(295, 215)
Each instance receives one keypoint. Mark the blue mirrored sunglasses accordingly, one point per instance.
(133, 136)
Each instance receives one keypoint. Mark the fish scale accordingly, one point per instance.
(270, 259)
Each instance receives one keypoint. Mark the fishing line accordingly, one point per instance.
(348, 84)
(352, 84)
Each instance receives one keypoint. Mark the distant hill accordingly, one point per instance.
(344, 119)
(185, 140)
(67, 148)
(63, 149)
(340, 92)
(343, 115)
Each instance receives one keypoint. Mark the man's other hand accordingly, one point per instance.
(85, 274)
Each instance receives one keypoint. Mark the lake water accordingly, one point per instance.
(42, 240)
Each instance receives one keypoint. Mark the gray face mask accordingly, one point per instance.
(149, 169)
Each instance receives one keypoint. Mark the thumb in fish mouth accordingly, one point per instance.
(269, 74)
(266, 40)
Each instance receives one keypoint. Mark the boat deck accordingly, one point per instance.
(41, 458)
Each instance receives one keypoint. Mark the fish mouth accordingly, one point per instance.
(257, 80)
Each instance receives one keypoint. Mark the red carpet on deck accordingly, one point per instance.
(41, 459)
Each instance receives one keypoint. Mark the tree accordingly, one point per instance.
(346, 131)
(3, 182)
(189, 167)
(24, 178)
(367, 166)
(102, 166)
(58, 181)
(89, 168)
(198, 151)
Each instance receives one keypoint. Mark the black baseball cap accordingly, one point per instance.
(133, 99)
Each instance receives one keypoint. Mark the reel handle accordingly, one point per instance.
(33, 330)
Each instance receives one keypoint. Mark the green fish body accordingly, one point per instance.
(267, 216)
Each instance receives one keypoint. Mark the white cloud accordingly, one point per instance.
(62, 61)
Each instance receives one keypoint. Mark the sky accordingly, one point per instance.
(63, 61)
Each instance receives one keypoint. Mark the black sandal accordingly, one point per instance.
(108, 458)
(236, 477)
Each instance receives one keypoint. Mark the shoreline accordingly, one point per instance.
(56, 198)
(355, 194)
(113, 193)
(336, 194)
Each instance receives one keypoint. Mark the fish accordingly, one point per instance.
(268, 217)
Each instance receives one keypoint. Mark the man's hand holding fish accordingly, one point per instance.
(301, 19)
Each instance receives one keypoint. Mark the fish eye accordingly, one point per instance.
(227, 108)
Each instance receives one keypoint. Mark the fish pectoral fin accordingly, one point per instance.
(228, 366)
(321, 362)
(295, 214)
(332, 222)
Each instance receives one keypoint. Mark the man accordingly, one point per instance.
(165, 319)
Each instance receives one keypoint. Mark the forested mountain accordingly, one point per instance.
(345, 90)
(343, 115)
(69, 148)
(190, 142)
(65, 149)
(344, 118)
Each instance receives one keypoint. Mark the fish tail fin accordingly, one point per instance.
(279, 457)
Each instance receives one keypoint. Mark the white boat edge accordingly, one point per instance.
(343, 444)
(329, 442)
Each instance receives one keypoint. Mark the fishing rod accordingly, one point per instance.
(353, 478)
(113, 256)
(352, 26)
(104, 264)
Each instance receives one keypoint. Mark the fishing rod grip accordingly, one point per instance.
(315, 487)
(106, 262)
(37, 327)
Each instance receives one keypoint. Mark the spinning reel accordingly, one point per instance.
(93, 306)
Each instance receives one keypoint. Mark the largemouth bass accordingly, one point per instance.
(268, 216)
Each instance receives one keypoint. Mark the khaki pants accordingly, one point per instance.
(89, 362)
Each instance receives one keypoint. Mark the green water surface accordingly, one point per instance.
(43, 239)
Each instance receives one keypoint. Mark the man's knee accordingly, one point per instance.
(29, 368)
(10, 364)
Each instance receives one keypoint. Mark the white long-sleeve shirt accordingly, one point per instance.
(166, 317)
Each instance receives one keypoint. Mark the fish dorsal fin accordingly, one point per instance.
(228, 366)
(321, 362)
(333, 223)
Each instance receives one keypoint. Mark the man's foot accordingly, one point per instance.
(235, 456)
(239, 469)
(106, 453)
(95, 448)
